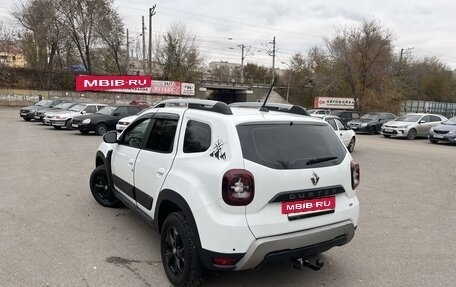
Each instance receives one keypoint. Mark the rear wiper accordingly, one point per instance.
(320, 159)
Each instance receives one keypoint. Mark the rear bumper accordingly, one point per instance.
(296, 245)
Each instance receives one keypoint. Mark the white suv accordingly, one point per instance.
(230, 188)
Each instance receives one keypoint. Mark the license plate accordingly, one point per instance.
(36, 117)
(74, 125)
(23, 114)
(309, 205)
(438, 136)
(354, 128)
(388, 130)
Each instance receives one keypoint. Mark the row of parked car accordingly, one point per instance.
(436, 128)
(86, 117)
(100, 118)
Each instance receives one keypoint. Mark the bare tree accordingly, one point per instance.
(363, 58)
(111, 32)
(178, 55)
(81, 19)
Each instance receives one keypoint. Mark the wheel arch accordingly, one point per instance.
(170, 201)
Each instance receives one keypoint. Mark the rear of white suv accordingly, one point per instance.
(235, 187)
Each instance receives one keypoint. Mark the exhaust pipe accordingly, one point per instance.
(300, 263)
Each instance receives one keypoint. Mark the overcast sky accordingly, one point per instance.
(429, 27)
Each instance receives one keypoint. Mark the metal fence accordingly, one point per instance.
(442, 108)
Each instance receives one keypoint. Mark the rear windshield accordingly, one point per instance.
(291, 145)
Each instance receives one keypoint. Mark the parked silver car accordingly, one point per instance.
(412, 125)
(445, 132)
(64, 118)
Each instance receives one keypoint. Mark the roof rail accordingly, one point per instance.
(285, 108)
(197, 104)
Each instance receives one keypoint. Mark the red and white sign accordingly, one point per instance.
(315, 204)
(166, 88)
(106, 83)
(133, 84)
(334, 103)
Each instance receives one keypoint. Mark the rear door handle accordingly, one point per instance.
(161, 171)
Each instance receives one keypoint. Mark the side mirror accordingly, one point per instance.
(116, 114)
(83, 112)
(110, 137)
(422, 122)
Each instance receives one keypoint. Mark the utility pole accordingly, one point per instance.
(242, 63)
(246, 51)
(273, 58)
(144, 46)
(404, 51)
(151, 13)
(128, 53)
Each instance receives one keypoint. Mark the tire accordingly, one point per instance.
(433, 141)
(411, 134)
(68, 125)
(178, 252)
(372, 130)
(387, 136)
(100, 188)
(351, 145)
(57, 127)
(27, 119)
(101, 129)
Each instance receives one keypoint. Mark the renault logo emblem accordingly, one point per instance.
(315, 179)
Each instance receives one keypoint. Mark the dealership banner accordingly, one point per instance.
(133, 84)
(166, 88)
(106, 83)
(334, 103)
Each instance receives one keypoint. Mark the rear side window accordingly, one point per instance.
(291, 145)
(197, 137)
(90, 109)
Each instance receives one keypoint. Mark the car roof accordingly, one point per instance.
(239, 112)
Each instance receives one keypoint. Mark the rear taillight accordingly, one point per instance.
(238, 187)
(354, 174)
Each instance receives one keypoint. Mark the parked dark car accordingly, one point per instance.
(345, 116)
(445, 132)
(104, 120)
(371, 122)
(28, 113)
(39, 114)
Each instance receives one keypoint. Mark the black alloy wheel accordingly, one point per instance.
(372, 130)
(99, 186)
(178, 252)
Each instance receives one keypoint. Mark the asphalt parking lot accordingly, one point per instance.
(52, 233)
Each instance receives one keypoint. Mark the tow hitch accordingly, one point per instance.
(300, 263)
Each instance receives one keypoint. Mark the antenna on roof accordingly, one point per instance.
(263, 107)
